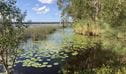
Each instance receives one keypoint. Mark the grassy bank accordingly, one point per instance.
(40, 32)
(96, 49)
(95, 55)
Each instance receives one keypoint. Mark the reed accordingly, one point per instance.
(39, 32)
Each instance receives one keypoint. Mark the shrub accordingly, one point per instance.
(93, 53)
(87, 27)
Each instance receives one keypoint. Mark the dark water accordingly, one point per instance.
(53, 43)
(31, 70)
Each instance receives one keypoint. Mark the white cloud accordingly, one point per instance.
(41, 10)
(46, 1)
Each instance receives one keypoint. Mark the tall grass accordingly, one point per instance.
(89, 28)
(40, 32)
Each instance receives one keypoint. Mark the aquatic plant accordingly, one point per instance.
(35, 57)
(39, 33)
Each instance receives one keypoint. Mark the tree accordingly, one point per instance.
(81, 10)
(111, 12)
(11, 32)
(93, 9)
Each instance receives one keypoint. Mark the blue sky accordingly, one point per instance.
(40, 10)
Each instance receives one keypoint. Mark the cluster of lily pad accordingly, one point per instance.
(35, 57)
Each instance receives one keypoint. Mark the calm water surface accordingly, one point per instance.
(53, 43)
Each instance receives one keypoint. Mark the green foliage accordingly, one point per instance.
(110, 70)
(112, 12)
(87, 27)
(104, 24)
(91, 53)
(10, 32)
(79, 42)
(102, 70)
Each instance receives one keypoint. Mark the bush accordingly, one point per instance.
(94, 55)
(87, 27)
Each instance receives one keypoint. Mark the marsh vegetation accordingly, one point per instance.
(95, 43)
(40, 32)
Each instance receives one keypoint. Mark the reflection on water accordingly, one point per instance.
(43, 51)
(54, 40)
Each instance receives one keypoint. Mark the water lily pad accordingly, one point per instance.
(49, 66)
(43, 66)
(56, 63)
(45, 63)
(62, 53)
(48, 59)
(75, 53)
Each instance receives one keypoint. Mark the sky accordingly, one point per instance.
(40, 10)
